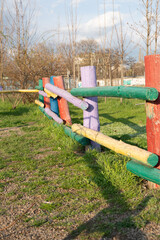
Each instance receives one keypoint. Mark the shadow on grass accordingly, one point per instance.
(114, 220)
(15, 112)
(134, 126)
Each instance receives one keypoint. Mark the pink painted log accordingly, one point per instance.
(66, 95)
(91, 115)
(54, 116)
(46, 99)
(42, 93)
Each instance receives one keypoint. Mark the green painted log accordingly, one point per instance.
(41, 98)
(82, 140)
(144, 171)
(39, 88)
(144, 93)
(68, 131)
(43, 111)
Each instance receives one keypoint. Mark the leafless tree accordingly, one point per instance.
(147, 28)
(72, 24)
(1, 42)
(156, 20)
(22, 32)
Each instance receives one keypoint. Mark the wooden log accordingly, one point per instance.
(20, 91)
(42, 93)
(39, 103)
(53, 101)
(66, 95)
(39, 88)
(49, 93)
(117, 146)
(62, 103)
(43, 111)
(145, 93)
(82, 140)
(144, 171)
(90, 115)
(68, 131)
(54, 116)
(46, 99)
(152, 79)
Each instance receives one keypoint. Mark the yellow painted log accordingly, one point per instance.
(20, 91)
(50, 94)
(39, 103)
(28, 90)
(117, 146)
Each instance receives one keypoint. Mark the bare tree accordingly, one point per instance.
(22, 32)
(147, 28)
(1, 42)
(71, 16)
(156, 20)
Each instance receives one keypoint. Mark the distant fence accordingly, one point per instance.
(128, 81)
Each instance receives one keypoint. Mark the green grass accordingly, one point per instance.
(87, 195)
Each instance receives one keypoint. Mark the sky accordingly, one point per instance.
(52, 15)
(53, 18)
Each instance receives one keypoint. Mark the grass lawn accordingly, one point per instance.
(51, 189)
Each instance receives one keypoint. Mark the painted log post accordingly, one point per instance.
(144, 171)
(46, 99)
(54, 116)
(91, 115)
(62, 103)
(43, 111)
(39, 103)
(20, 91)
(66, 95)
(152, 73)
(68, 131)
(49, 93)
(82, 140)
(42, 93)
(118, 146)
(146, 93)
(53, 101)
(41, 98)
(39, 88)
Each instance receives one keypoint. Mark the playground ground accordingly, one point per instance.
(51, 189)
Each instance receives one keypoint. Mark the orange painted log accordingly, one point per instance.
(62, 103)
(46, 99)
(152, 78)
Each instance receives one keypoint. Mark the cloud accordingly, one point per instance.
(75, 3)
(57, 3)
(100, 22)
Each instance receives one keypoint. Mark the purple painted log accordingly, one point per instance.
(66, 95)
(53, 115)
(91, 115)
(42, 93)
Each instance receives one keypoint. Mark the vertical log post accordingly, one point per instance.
(152, 79)
(46, 99)
(62, 103)
(53, 102)
(91, 115)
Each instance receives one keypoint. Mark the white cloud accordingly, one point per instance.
(101, 21)
(57, 3)
(76, 2)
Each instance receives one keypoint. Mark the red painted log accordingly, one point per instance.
(62, 103)
(152, 78)
(46, 99)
